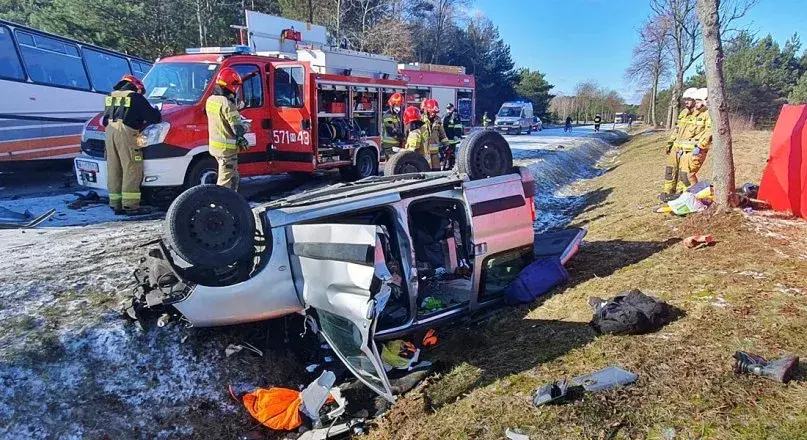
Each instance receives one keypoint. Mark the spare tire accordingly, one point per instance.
(484, 154)
(406, 162)
(210, 227)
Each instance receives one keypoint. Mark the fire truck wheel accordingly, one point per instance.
(203, 171)
(210, 227)
(366, 166)
(484, 154)
(406, 162)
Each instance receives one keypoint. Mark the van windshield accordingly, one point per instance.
(178, 83)
(509, 112)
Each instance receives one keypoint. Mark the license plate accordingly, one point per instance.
(84, 165)
(505, 128)
(88, 177)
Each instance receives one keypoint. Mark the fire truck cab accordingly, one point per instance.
(309, 107)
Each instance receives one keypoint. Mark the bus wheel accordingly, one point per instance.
(366, 166)
(204, 171)
(484, 154)
(210, 227)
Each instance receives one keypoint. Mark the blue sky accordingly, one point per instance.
(576, 40)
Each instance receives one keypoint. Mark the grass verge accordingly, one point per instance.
(744, 293)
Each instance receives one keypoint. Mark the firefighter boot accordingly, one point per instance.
(779, 370)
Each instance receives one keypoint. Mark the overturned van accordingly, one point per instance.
(369, 261)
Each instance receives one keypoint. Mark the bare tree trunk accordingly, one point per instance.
(723, 159)
(310, 11)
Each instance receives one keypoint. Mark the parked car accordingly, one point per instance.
(515, 117)
(370, 261)
(538, 125)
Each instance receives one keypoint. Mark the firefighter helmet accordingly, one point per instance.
(702, 94)
(396, 100)
(134, 81)
(411, 114)
(431, 106)
(690, 93)
(229, 79)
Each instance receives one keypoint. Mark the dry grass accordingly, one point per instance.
(744, 293)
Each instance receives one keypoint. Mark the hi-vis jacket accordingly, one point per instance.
(223, 123)
(694, 130)
(130, 108)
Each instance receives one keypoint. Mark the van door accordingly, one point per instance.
(291, 143)
(256, 104)
(341, 274)
(501, 218)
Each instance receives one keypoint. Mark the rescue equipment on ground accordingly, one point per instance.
(399, 354)
(275, 408)
(629, 313)
(538, 278)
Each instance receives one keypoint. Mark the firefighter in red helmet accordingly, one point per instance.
(436, 133)
(225, 127)
(126, 113)
(393, 133)
(418, 137)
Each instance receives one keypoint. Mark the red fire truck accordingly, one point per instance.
(310, 106)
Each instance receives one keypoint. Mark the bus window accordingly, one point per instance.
(105, 70)
(140, 69)
(50, 61)
(10, 66)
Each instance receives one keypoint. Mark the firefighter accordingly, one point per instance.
(225, 128)
(437, 134)
(485, 121)
(452, 123)
(126, 113)
(418, 137)
(597, 122)
(693, 154)
(683, 134)
(393, 134)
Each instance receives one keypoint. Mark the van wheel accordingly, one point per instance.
(210, 227)
(484, 154)
(366, 166)
(204, 171)
(406, 162)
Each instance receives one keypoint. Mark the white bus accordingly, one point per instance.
(50, 87)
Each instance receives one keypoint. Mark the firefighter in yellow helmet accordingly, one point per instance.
(694, 153)
(225, 127)
(682, 136)
(393, 134)
(126, 113)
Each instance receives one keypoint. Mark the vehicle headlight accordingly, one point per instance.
(153, 134)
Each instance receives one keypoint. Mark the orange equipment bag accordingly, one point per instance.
(275, 408)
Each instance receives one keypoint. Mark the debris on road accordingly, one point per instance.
(83, 200)
(779, 370)
(550, 392)
(698, 241)
(605, 379)
(237, 348)
(14, 220)
(630, 313)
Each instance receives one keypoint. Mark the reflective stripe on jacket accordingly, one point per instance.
(223, 122)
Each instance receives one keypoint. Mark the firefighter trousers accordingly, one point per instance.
(124, 167)
(228, 176)
(688, 167)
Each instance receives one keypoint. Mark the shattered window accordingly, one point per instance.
(346, 338)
